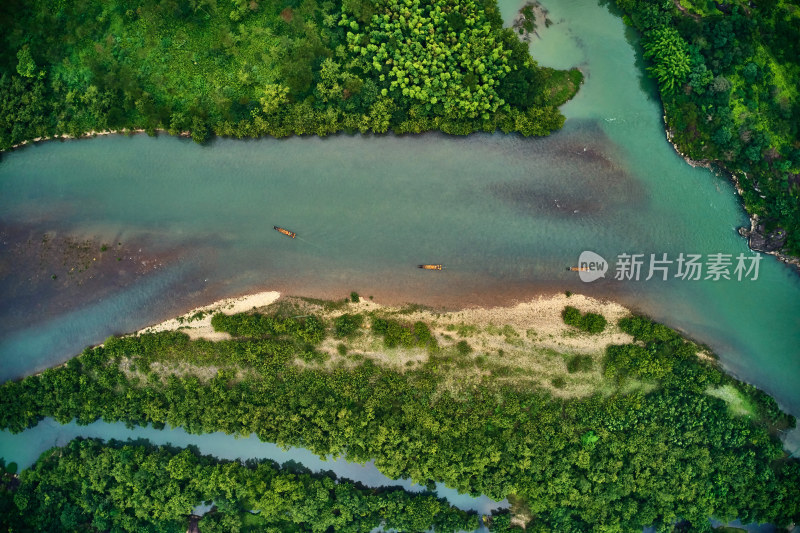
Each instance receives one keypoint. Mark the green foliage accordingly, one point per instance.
(398, 334)
(501, 523)
(308, 329)
(729, 79)
(354, 297)
(579, 363)
(645, 330)
(670, 55)
(347, 324)
(463, 348)
(571, 316)
(139, 487)
(636, 361)
(418, 55)
(266, 68)
(616, 462)
(25, 66)
(589, 322)
(589, 440)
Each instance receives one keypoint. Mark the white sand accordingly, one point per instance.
(201, 329)
(542, 315)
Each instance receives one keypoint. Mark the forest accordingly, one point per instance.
(728, 75)
(246, 68)
(672, 439)
(89, 485)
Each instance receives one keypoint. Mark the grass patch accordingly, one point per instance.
(580, 363)
(463, 330)
(463, 348)
(346, 325)
(738, 404)
(561, 85)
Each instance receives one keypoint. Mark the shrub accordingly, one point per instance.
(634, 360)
(463, 348)
(309, 329)
(571, 316)
(645, 330)
(589, 322)
(593, 323)
(579, 363)
(347, 324)
(380, 326)
(558, 382)
(397, 334)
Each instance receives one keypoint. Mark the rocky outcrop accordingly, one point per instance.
(758, 238)
(768, 242)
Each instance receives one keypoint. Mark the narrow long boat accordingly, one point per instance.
(578, 269)
(285, 232)
(430, 267)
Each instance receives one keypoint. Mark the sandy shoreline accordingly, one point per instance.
(197, 322)
(541, 315)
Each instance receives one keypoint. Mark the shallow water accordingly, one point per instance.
(26, 447)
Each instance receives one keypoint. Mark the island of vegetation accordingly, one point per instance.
(269, 67)
(728, 73)
(91, 486)
(609, 422)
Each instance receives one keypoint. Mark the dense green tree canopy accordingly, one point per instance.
(729, 77)
(268, 67)
(658, 445)
(92, 486)
(444, 56)
(670, 55)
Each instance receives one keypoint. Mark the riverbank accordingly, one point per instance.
(541, 315)
(458, 399)
(758, 238)
(91, 134)
(525, 345)
(197, 322)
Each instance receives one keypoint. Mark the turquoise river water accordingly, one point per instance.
(505, 214)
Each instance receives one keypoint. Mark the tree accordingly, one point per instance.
(670, 55)
(25, 65)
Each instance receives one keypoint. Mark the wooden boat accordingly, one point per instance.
(431, 267)
(578, 269)
(285, 232)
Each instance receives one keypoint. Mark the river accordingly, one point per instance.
(506, 215)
